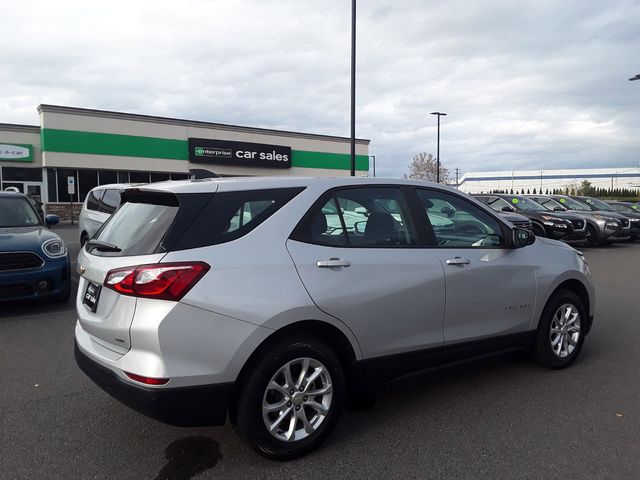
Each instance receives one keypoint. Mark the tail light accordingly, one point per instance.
(147, 380)
(163, 281)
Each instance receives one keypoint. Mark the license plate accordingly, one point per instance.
(91, 295)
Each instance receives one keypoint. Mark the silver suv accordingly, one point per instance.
(273, 299)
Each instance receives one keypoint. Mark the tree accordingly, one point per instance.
(423, 167)
(586, 188)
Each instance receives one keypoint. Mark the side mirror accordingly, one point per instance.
(522, 238)
(559, 209)
(51, 220)
(358, 228)
(508, 209)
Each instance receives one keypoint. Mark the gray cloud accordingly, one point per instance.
(527, 84)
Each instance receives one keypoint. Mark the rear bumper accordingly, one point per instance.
(28, 284)
(202, 405)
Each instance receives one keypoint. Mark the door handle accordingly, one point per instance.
(332, 263)
(458, 261)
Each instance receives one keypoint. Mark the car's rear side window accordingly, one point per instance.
(110, 201)
(231, 215)
(93, 199)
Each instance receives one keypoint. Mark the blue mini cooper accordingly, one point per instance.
(33, 260)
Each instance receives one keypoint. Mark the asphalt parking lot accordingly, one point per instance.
(503, 418)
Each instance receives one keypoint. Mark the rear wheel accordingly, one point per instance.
(291, 400)
(561, 330)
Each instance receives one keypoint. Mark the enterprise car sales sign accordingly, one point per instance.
(225, 152)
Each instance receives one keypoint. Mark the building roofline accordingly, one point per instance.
(188, 123)
(14, 127)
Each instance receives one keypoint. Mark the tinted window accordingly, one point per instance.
(139, 177)
(18, 174)
(106, 177)
(159, 177)
(366, 217)
(136, 228)
(463, 224)
(110, 201)
(88, 180)
(93, 199)
(231, 215)
(63, 190)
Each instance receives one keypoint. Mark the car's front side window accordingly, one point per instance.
(467, 226)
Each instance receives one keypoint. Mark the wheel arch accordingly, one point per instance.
(576, 286)
(323, 331)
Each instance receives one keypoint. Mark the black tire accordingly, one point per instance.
(592, 236)
(247, 415)
(543, 352)
(538, 230)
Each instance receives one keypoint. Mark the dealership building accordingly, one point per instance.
(543, 180)
(74, 150)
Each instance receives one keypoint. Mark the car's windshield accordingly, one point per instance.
(623, 207)
(17, 212)
(572, 204)
(599, 204)
(526, 204)
(549, 203)
(498, 204)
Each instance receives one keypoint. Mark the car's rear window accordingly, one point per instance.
(137, 228)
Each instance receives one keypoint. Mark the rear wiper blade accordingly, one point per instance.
(102, 246)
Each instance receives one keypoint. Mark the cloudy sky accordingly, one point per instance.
(527, 84)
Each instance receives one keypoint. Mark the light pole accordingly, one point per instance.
(438, 114)
(637, 77)
(353, 88)
(374, 164)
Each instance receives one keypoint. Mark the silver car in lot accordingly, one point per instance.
(271, 300)
(98, 206)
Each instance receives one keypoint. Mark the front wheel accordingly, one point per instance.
(592, 236)
(561, 330)
(291, 400)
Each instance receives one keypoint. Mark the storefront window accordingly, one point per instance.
(179, 176)
(18, 174)
(63, 174)
(139, 177)
(107, 177)
(123, 177)
(52, 185)
(88, 180)
(159, 177)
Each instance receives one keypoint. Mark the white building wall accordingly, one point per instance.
(608, 178)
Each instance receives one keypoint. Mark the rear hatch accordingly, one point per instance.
(140, 232)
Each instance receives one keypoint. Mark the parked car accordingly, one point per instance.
(34, 264)
(98, 206)
(627, 207)
(602, 227)
(517, 220)
(618, 207)
(186, 313)
(560, 226)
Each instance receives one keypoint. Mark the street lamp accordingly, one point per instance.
(374, 164)
(438, 114)
(353, 88)
(637, 77)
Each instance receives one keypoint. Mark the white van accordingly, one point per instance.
(100, 203)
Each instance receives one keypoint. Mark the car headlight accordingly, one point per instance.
(612, 224)
(54, 248)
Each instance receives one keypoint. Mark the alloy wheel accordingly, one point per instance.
(564, 333)
(297, 399)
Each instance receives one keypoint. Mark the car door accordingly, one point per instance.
(491, 287)
(359, 257)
